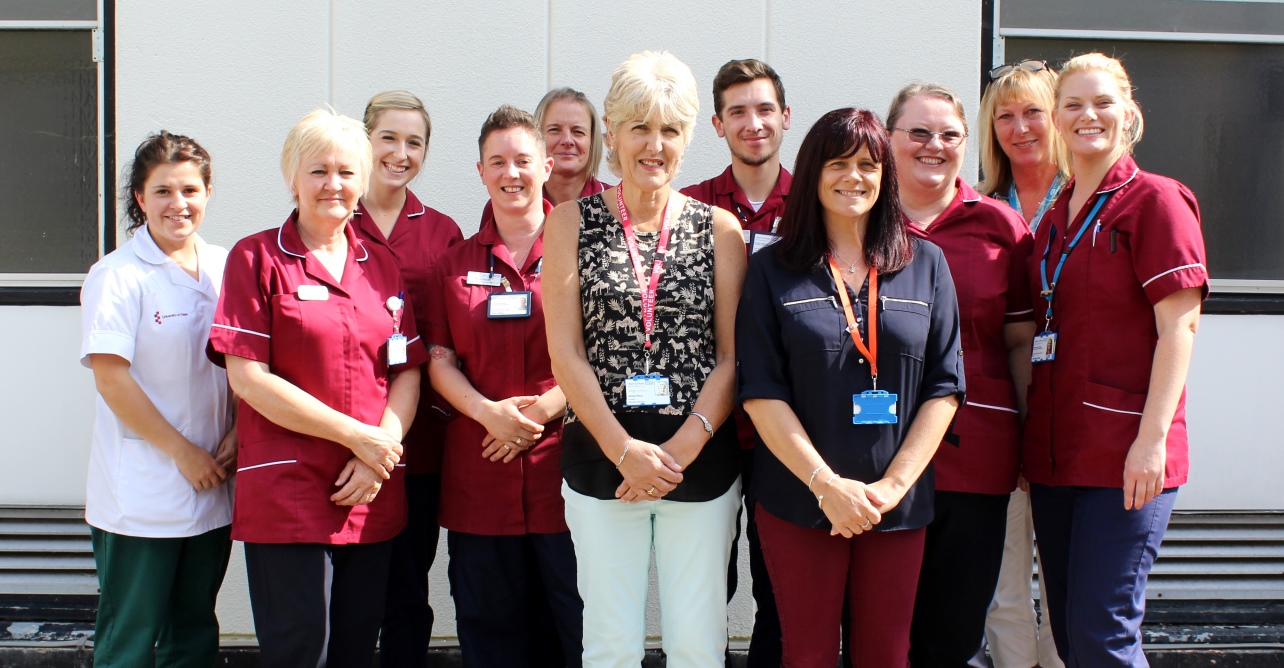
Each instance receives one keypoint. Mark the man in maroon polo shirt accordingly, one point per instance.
(751, 114)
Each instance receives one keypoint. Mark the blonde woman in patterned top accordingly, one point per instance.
(640, 291)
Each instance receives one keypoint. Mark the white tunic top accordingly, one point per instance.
(139, 304)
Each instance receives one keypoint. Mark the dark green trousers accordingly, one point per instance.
(156, 600)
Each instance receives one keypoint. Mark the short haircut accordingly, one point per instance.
(395, 99)
(651, 84)
(504, 118)
(1018, 85)
(1099, 62)
(914, 90)
(162, 148)
(744, 71)
(320, 132)
(841, 133)
(595, 124)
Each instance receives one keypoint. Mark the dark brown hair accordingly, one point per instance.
(744, 71)
(840, 134)
(161, 148)
(506, 117)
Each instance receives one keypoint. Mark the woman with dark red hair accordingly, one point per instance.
(848, 345)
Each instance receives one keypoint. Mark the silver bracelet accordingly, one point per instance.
(708, 426)
(812, 479)
(625, 453)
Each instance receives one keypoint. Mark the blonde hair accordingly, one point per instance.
(595, 125)
(396, 99)
(927, 89)
(320, 132)
(1019, 85)
(651, 84)
(1099, 62)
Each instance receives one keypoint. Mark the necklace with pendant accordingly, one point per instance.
(851, 266)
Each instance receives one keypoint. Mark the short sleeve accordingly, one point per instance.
(943, 356)
(434, 323)
(1019, 308)
(243, 320)
(760, 351)
(111, 304)
(416, 351)
(1167, 244)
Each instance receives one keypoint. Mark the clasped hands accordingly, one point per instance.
(853, 507)
(650, 471)
(512, 426)
(376, 453)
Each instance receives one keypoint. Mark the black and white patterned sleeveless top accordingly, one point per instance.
(682, 345)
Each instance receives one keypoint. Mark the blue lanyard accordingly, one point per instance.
(1049, 288)
(1055, 189)
(539, 266)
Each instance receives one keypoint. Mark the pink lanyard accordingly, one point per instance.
(657, 267)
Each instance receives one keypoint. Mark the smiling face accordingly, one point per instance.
(400, 142)
(849, 187)
(513, 168)
(934, 165)
(752, 121)
(568, 135)
(650, 151)
(328, 186)
(1093, 115)
(1022, 129)
(173, 199)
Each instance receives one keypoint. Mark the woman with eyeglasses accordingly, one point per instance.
(986, 245)
(1023, 163)
(1118, 274)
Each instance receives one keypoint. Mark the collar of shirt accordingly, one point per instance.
(146, 249)
(592, 186)
(725, 184)
(413, 208)
(488, 235)
(290, 243)
(965, 196)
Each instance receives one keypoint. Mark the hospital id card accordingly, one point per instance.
(509, 305)
(396, 349)
(874, 407)
(1045, 347)
(649, 390)
(760, 240)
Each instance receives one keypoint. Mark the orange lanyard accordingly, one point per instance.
(870, 353)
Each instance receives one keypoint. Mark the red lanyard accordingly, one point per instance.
(870, 353)
(657, 267)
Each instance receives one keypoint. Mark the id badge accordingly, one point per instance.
(1045, 347)
(483, 278)
(396, 349)
(760, 240)
(649, 390)
(874, 407)
(313, 293)
(509, 305)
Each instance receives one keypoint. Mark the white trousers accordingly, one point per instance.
(692, 544)
(1016, 638)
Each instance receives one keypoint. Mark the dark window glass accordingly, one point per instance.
(1253, 17)
(1214, 117)
(49, 144)
(48, 10)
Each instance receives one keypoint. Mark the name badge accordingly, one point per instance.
(874, 407)
(313, 293)
(760, 240)
(509, 305)
(649, 390)
(396, 349)
(1045, 347)
(484, 278)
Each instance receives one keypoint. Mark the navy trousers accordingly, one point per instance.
(407, 616)
(1096, 558)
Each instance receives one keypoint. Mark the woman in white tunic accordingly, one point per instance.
(164, 448)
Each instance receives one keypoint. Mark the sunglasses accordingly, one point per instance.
(922, 136)
(1027, 65)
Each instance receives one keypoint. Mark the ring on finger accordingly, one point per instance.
(508, 448)
(519, 440)
(651, 492)
(867, 525)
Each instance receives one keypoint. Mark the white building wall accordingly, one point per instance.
(237, 75)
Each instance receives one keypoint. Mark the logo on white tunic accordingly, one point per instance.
(160, 319)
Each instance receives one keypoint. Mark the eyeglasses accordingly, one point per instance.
(1027, 65)
(924, 136)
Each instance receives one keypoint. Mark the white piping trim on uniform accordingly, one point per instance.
(1165, 273)
(259, 466)
(1126, 182)
(422, 210)
(247, 331)
(399, 466)
(1112, 410)
(279, 230)
(1029, 310)
(412, 340)
(997, 408)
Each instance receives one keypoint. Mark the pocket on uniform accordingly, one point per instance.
(990, 416)
(1111, 415)
(811, 324)
(904, 323)
(152, 491)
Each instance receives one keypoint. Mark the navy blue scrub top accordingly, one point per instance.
(792, 345)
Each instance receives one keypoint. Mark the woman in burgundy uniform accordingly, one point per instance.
(986, 245)
(573, 135)
(320, 345)
(1117, 277)
(390, 216)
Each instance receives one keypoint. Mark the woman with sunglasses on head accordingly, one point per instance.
(1118, 274)
(986, 245)
(1023, 163)
(849, 356)
(389, 215)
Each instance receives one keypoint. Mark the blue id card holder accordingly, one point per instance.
(1045, 347)
(646, 390)
(874, 407)
(509, 304)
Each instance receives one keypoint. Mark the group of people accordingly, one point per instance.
(888, 370)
